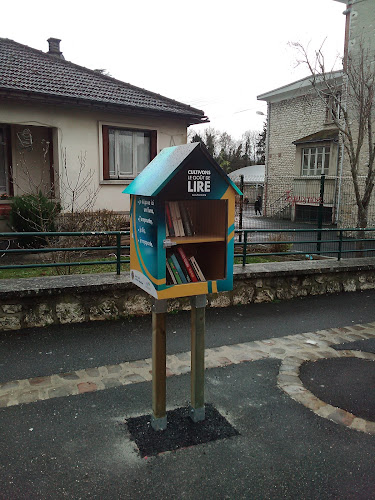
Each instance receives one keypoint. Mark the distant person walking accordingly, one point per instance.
(258, 205)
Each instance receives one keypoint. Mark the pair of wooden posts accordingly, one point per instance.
(159, 311)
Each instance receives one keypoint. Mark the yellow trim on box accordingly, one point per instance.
(214, 287)
(190, 289)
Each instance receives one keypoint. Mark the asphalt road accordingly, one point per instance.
(79, 447)
(39, 352)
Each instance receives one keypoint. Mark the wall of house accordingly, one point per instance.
(290, 120)
(78, 145)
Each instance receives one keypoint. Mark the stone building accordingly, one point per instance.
(302, 144)
(303, 141)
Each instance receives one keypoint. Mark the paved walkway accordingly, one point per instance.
(293, 350)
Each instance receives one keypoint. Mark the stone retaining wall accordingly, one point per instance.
(37, 302)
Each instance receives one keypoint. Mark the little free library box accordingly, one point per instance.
(182, 224)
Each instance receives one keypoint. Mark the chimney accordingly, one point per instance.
(54, 48)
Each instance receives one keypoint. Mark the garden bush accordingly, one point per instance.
(33, 213)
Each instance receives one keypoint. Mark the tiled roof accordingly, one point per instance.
(27, 70)
(330, 134)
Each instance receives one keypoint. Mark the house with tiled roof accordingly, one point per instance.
(61, 123)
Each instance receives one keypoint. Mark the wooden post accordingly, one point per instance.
(198, 328)
(159, 416)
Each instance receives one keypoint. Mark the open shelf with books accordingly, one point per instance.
(197, 230)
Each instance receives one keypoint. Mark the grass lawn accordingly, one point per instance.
(56, 271)
(258, 260)
(100, 268)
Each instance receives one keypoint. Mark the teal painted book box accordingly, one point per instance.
(182, 224)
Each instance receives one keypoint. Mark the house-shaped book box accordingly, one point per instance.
(182, 224)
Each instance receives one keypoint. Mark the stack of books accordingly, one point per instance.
(178, 219)
(182, 269)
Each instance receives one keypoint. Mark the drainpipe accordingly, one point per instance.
(265, 201)
(346, 13)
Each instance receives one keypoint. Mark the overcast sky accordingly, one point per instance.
(215, 56)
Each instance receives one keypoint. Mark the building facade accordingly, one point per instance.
(304, 141)
(76, 133)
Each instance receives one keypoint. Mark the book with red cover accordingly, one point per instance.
(187, 264)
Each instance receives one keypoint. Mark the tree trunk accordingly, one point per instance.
(361, 223)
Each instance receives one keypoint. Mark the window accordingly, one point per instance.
(126, 152)
(315, 160)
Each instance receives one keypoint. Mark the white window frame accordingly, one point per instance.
(314, 170)
(116, 172)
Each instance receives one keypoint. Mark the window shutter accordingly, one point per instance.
(105, 153)
(154, 150)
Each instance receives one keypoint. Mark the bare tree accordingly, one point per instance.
(352, 108)
(250, 140)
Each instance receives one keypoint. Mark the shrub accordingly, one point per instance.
(33, 213)
(276, 246)
(99, 220)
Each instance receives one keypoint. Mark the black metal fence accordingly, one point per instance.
(304, 243)
(301, 243)
(56, 256)
(295, 201)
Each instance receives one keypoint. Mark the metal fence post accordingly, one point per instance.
(118, 253)
(320, 214)
(241, 207)
(340, 245)
(244, 248)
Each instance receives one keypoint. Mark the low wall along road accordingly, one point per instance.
(38, 302)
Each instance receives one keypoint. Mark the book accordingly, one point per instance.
(183, 267)
(179, 228)
(187, 264)
(179, 219)
(169, 222)
(178, 267)
(172, 277)
(176, 226)
(186, 220)
(197, 269)
(174, 270)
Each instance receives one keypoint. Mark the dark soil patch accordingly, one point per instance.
(181, 431)
(346, 383)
